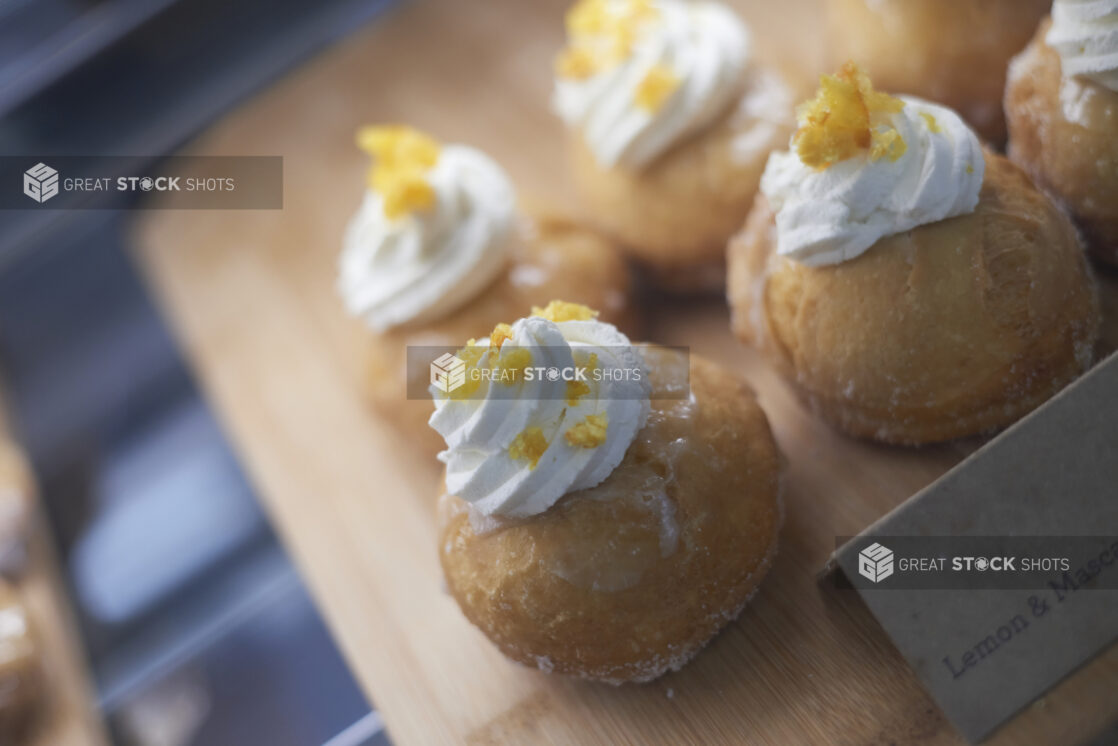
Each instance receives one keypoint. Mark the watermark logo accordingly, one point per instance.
(1060, 563)
(196, 182)
(565, 372)
(875, 563)
(448, 372)
(40, 182)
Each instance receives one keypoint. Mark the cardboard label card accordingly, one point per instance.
(1001, 578)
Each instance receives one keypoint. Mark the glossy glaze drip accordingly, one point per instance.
(638, 500)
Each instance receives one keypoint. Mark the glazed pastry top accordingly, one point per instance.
(1085, 35)
(432, 232)
(638, 76)
(865, 165)
(518, 436)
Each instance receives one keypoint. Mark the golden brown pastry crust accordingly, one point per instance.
(950, 329)
(629, 579)
(1076, 158)
(951, 51)
(675, 215)
(555, 259)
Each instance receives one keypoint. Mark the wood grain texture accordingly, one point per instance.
(66, 715)
(251, 297)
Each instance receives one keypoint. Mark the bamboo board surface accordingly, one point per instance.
(251, 297)
(66, 714)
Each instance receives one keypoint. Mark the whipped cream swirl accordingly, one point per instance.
(1085, 35)
(424, 264)
(514, 449)
(835, 214)
(690, 56)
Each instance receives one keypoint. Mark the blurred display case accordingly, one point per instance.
(196, 626)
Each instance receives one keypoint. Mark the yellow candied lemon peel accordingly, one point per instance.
(930, 120)
(508, 367)
(560, 310)
(590, 433)
(500, 333)
(511, 365)
(576, 390)
(578, 63)
(601, 35)
(655, 88)
(838, 123)
(402, 156)
(471, 355)
(528, 446)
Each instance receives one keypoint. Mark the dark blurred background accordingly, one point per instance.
(196, 627)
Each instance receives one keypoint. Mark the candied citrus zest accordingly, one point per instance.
(590, 433)
(472, 352)
(887, 143)
(576, 390)
(658, 84)
(558, 310)
(838, 123)
(500, 333)
(577, 63)
(933, 125)
(402, 156)
(601, 35)
(512, 364)
(529, 446)
(471, 355)
(588, 17)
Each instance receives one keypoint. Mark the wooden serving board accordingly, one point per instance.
(66, 714)
(252, 299)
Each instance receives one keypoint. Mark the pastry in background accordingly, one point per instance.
(438, 253)
(16, 494)
(1061, 104)
(20, 672)
(953, 52)
(606, 528)
(912, 287)
(671, 119)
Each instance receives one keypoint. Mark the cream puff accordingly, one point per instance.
(438, 252)
(670, 120)
(20, 672)
(605, 527)
(911, 286)
(1061, 103)
(954, 52)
